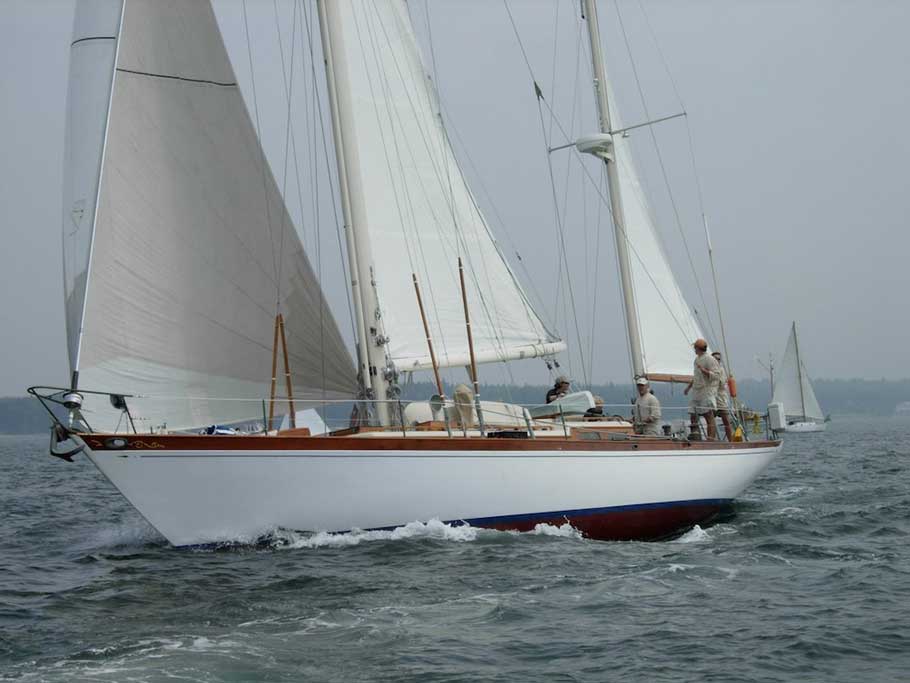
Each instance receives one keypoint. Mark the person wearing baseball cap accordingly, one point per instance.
(646, 412)
(560, 388)
(702, 404)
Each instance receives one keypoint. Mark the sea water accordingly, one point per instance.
(809, 581)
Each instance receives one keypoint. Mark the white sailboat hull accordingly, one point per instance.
(803, 427)
(195, 496)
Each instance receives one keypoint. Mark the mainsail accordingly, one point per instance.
(411, 206)
(792, 387)
(667, 324)
(174, 281)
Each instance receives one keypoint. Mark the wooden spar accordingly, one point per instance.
(426, 329)
(274, 376)
(467, 323)
(287, 374)
(279, 332)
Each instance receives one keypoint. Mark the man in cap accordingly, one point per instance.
(703, 388)
(646, 412)
(560, 388)
(723, 396)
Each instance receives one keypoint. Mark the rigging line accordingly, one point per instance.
(562, 240)
(263, 160)
(633, 250)
(598, 232)
(695, 175)
(317, 107)
(553, 69)
(543, 131)
(288, 83)
(459, 236)
(499, 219)
(663, 169)
(533, 321)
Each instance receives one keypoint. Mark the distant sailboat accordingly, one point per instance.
(793, 406)
(183, 270)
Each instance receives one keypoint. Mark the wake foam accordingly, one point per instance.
(433, 529)
(694, 535)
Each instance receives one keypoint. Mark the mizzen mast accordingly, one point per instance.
(602, 147)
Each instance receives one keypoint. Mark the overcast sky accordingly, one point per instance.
(797, 110)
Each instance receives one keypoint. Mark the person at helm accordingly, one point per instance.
(560, 388)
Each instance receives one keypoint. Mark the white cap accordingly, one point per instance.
(642, 381)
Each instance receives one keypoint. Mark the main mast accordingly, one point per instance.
(603, 147)
(371, 342)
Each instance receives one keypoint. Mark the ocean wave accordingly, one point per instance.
(694, 535)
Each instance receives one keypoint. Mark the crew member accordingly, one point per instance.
(560, 388)
(703, 388)
(647, 410)
(464, 406)
(723, 396)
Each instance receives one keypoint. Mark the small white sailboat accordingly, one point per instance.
(183, 269)
(793, 407)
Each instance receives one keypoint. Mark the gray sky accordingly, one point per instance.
(797, 111)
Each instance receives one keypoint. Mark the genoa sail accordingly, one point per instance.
(792, 386)
(176, 277)
(667, 324)
(412, 207)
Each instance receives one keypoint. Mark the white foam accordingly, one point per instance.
(563, 530)
(673, 568)
(694, 535)
(431, 529)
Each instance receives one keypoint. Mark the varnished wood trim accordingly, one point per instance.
(282, 442)
(664, 377)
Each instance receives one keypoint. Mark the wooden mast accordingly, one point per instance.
(467, 323)
(279, 334)
(426, 329)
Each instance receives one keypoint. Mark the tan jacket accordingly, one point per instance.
(647, 415)
(723, 391)
(705, 386)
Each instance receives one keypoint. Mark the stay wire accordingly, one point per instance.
(663, 170)
(263, 161)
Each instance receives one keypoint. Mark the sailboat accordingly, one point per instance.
(184, 277)
(793, 406)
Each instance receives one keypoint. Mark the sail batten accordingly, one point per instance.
(187, 272)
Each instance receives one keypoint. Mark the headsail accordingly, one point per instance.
(412, 204)
(192, 244)
(792, 387)
(667, 324)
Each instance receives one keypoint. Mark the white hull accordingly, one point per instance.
(803, 427)
(202, 496)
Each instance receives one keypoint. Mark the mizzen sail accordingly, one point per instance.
(667, 324)
(192, 251)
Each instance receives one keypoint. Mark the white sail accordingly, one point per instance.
(667, 324)
(792, 387)
(411, 206)
(92, 53)
(192, 243)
